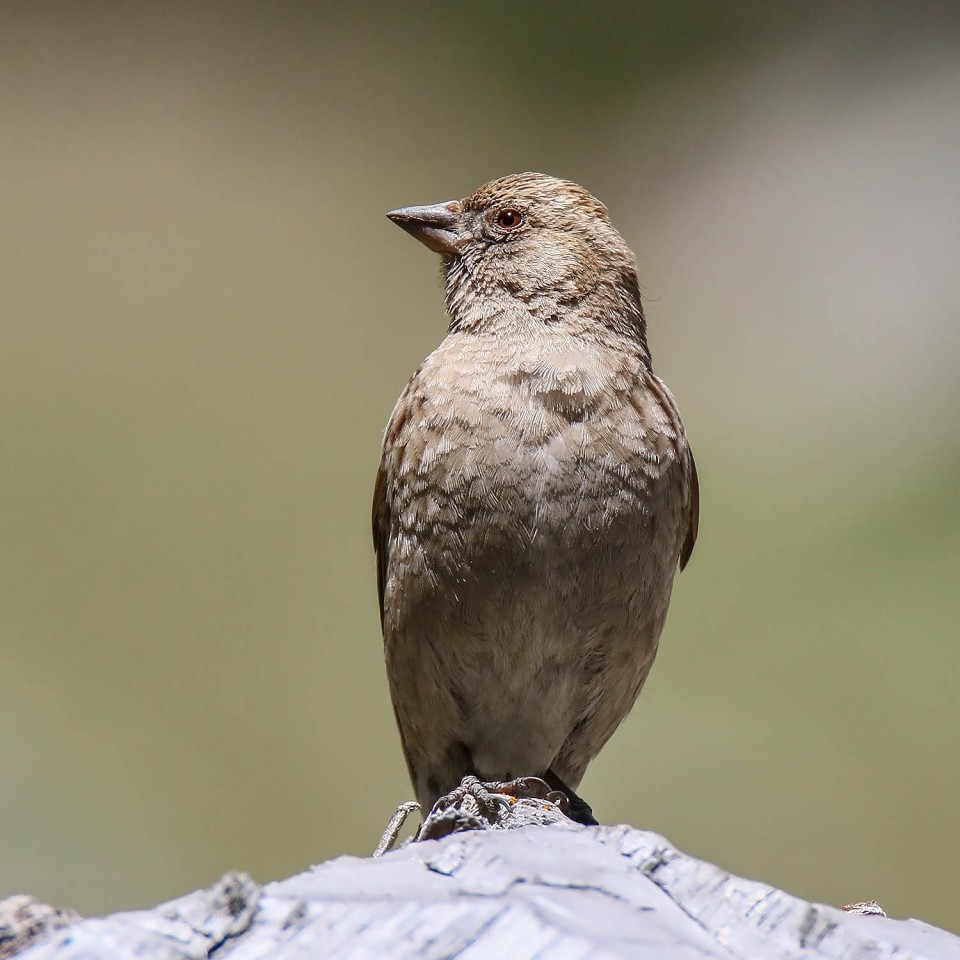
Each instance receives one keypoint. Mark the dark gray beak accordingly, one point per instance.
(438, 226)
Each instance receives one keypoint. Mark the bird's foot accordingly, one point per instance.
(577, 808)
(475, 805)
(394, 827)
(498, 805)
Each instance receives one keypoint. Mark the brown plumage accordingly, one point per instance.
(535, 496)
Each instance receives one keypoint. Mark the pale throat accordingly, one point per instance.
(474, 303)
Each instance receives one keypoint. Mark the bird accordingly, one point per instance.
(535, 497)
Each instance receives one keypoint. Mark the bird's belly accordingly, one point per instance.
(540, 594)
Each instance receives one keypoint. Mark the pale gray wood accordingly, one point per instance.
(560, 892)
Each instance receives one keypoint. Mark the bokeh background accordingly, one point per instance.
(205, 320)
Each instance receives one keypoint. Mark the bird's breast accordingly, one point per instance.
(503, 449)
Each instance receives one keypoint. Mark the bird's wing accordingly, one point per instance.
(685, 455)
(381, 531)
(694, 523)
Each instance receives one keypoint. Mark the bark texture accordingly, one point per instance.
(561, 891)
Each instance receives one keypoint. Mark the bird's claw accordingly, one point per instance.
(394, 827)
(477, 805)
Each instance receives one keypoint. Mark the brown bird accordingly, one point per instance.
(535, 497)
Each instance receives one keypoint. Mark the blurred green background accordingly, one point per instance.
(205, 320)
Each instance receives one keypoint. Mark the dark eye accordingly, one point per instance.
(508, 218)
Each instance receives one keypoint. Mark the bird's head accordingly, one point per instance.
(532, 246)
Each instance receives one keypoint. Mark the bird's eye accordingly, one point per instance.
(508, 218)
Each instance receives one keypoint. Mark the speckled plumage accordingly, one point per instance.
(535, 496)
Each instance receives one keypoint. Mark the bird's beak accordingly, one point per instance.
(438, 226)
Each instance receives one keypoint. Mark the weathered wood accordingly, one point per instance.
(561, 891)
(24, 920)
